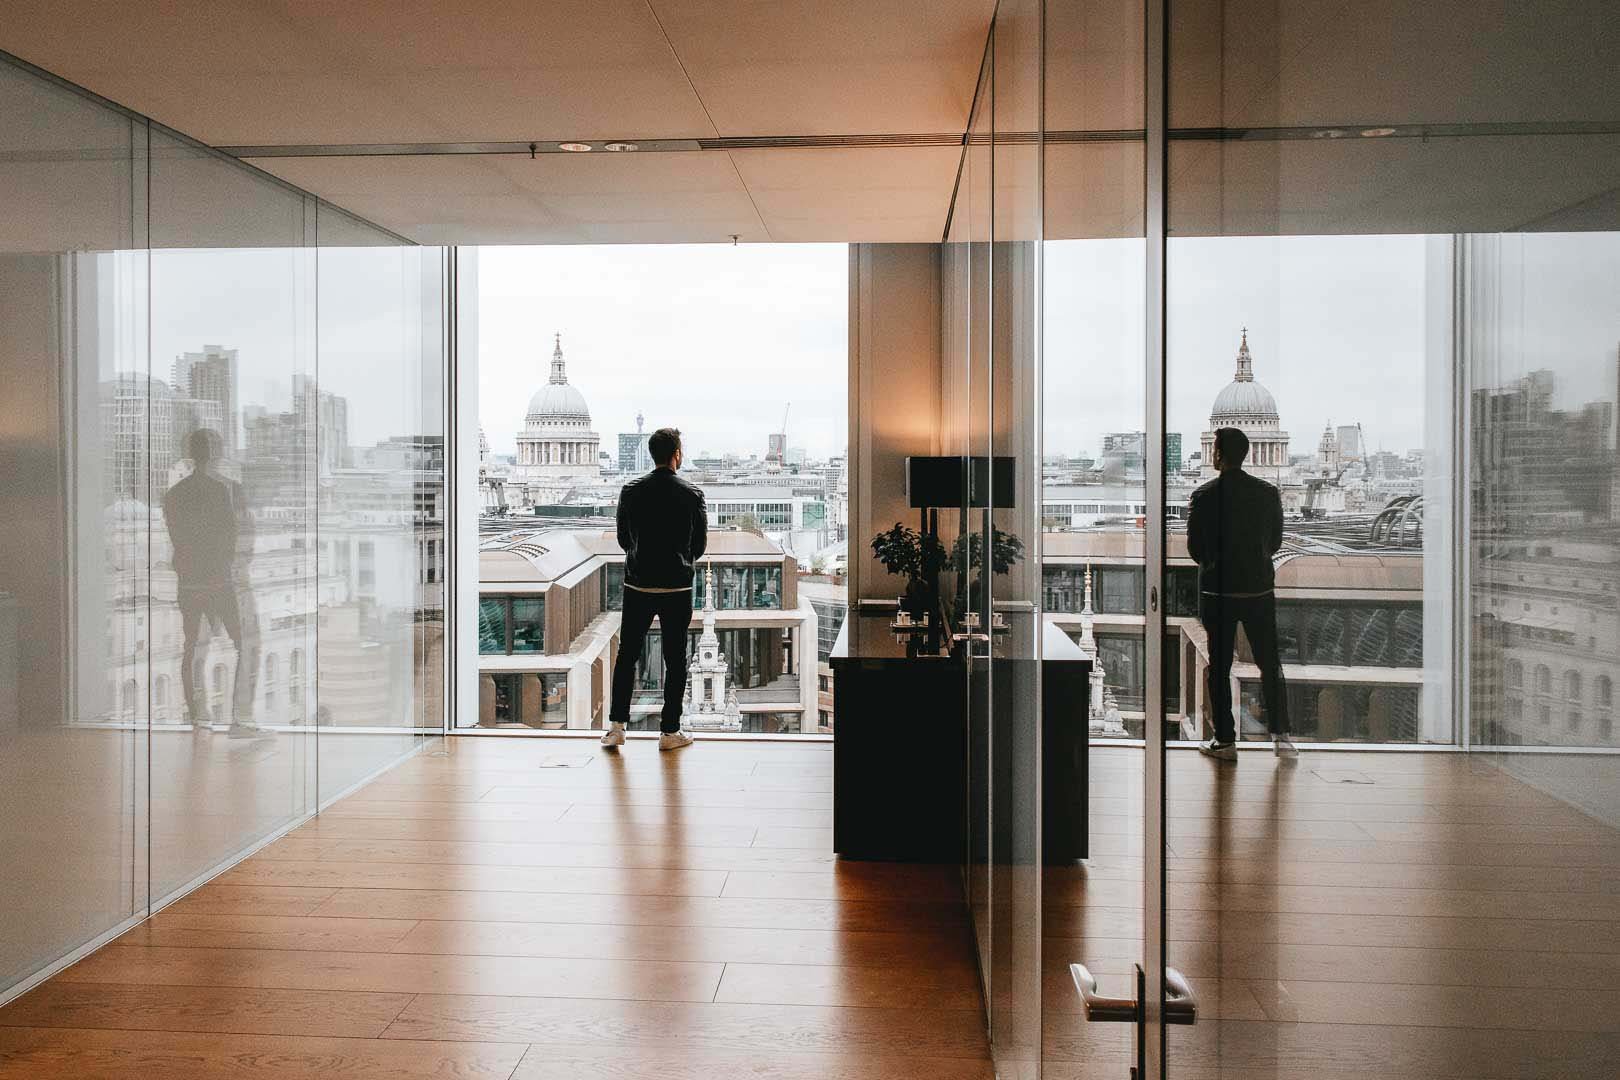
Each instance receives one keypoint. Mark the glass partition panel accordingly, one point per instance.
(76, 494)
(1540, 328)
(965, 345)
(234, 451)
(1093, 495)
(171, 459)
(381, 509)
(1393, 299)
(1004, 546)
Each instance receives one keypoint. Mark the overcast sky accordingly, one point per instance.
(718, 339)
(713, 339)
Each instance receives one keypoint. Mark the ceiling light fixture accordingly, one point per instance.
(1327, 133)
(1376, 133)
(620, 147)
(576, 147)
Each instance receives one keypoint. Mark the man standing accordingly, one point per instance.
(664, 530)
(1234, 527)
(209, 529)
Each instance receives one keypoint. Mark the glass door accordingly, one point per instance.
(1390, 340)
(1329, 500)
(1101, 754)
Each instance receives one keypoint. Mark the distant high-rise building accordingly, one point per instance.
(776, 448)
(211, 375)
(1350, 448)
(144, 428)
(327, 414)
(1124, 455)
(1172, 452)
(633, 453)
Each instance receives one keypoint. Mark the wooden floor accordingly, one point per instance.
(1352, 916)
(538, 910)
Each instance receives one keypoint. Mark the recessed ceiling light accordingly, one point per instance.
(620, 147)
(1376, 133)
(1327, 133)
(575, 147)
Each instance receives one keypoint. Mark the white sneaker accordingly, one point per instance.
(1220, 751)
(674, 740)
(249, 730)
(613, 736)
(1285, 747)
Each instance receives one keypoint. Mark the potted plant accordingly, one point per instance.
(967, 557)
(919, 558)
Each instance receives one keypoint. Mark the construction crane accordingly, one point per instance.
(776, 453)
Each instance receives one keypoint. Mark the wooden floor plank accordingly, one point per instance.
(382, 875)
(591, 910)
(929, 986)
(949, 952)
(480, 853)
(617, 1063)
(761, 1030)
(236, 1010)
(186, 929)
(637, 980)
(37, 1054)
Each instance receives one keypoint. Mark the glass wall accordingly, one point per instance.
(76, 497)
(1413, 320)
(1403, 291)
(991, 413)
(378, 413)
(223, 494)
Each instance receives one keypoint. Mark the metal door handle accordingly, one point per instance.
(1180, 1003)
(1098, 1007)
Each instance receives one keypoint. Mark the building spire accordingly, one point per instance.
(1245, 362)
(1088, 640)
(559, 374)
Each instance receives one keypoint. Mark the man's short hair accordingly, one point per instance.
(1233, 445)
(203, 445)
(663, 443)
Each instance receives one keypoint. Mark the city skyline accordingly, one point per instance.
(737, 333)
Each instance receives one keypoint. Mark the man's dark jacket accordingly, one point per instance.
(1234, 527)
(663, 529)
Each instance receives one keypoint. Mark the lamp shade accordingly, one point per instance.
(937, 481)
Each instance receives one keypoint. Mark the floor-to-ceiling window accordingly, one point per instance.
(582, 353)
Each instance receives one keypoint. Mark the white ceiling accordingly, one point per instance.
(314, 72)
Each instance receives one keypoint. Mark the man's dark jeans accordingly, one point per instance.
(1220, 616)
(674, 613)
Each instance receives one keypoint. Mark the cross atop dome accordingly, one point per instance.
(1245, 362)
(559, 374)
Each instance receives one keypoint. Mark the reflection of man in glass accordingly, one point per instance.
(210, 531)
(1234, 527)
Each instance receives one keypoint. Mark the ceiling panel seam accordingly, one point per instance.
(687, 75)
